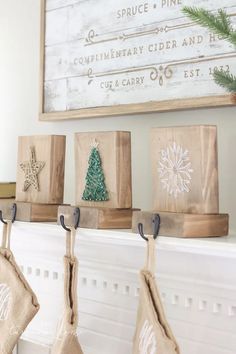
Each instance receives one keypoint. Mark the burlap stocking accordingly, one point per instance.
(66, 341)
(18, 303)
(153, 334)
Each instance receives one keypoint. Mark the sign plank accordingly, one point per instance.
(129, 57)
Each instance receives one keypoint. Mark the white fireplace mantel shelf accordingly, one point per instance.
(196, 277)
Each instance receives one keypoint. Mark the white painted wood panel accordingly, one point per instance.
(196, 278)
(129, 52)
(31, 348)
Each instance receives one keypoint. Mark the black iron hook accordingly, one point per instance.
(77, 220)
(77, 217)
(1, 218)
(14, 211)
(156, 228)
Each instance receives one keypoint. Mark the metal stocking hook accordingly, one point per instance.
(77, 220)
(14, 211)
(156, 222)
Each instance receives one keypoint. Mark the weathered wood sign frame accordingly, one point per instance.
(147, 57)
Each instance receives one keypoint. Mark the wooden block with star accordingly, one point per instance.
(103, 169)
(184, 169)
(40, 169)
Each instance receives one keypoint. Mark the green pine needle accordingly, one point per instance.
(226, 80)
(225, 20)
(219, 24)
(233, 38)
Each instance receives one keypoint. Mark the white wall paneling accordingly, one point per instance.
(25, 347)
(196, 278)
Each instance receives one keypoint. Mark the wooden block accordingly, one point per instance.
(184, 225)
(29, 212)
(98, 218)
(115, 154)
(185, 170)
(5, 207)
(40, 169)
(7, 190)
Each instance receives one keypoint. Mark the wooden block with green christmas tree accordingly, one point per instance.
(103, 169)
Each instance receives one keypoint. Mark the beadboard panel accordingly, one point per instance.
(29, 348)
(196, 278)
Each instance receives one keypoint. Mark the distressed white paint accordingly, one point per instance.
(175, 169)
(196, 278)
(96, 57)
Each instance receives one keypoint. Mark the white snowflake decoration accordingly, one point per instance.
(175, 169)
(147, 340)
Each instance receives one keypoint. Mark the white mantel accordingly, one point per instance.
(196, 277)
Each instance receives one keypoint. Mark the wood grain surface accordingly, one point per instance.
(185, 169)
(29, 212)
(98, 218)
(184, 225)
(115, 152)
(49, 149)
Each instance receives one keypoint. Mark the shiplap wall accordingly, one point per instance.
(196, 280)
(19, 97)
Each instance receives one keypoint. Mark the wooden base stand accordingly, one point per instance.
(29, 212)
(184, 225)
(98, 218)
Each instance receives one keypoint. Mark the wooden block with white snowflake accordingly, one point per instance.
(184, 169)
(103, 169)
(40, 169)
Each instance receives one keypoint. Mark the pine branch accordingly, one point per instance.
(223, 18)
(219, 24)
(225, 80)
(233, 38)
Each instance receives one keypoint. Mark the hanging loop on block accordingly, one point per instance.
(14, 211)
(156, 228)
(76, 217)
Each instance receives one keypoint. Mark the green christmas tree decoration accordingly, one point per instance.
(95, 188)
(220, 24)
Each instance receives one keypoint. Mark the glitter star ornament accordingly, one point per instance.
(32, 168)
(40, 172)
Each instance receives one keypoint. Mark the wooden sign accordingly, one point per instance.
(184, 169)
(40, 169)
(129, 57)
(103, 169)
